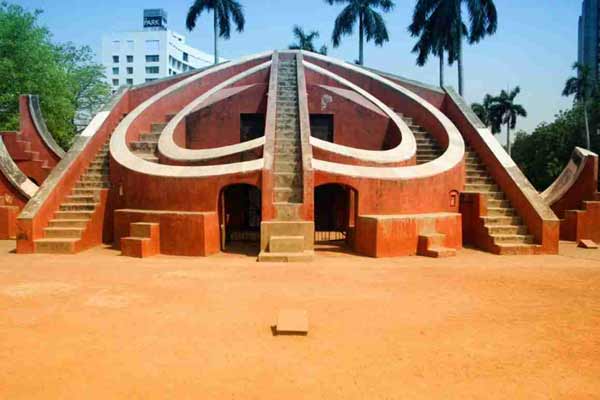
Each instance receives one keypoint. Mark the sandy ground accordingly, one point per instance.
(476, 326)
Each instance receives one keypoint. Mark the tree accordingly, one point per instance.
(484, 112)
(582, 87)
(503, 110)
(543, 154)
(439, 23)
(305, 41)
(31, 64)
(370, 22)
(87, 82)
(224, 11)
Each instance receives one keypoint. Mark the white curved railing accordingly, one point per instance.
(166, 143)
(405, 150)
(125, 157)
(568, 177)
(452, 155)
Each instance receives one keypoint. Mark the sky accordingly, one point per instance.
(534, 47)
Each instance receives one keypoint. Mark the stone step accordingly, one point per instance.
(81, 199)
(143, 146)
(501, 220)
(481, 187)
(62, 232)
(526, 239)
(506, 229)
(89, 177)
(73, 214)
(149, 137)
(286, 244)
(287, 179)
(439, 252)
(157, 127)
(305, 256)
(287, 166)
(86, 192)
(287, 211)
(68, 223)
(287, 194)
(92, 185)
(498, 203)
(479, 180)
(55, 246)
(500, 212)
(516, 248)
(77, 207)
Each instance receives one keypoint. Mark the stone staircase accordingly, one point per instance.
(503, 225)
(23, 155)
(287, 238)
(147, 146)
(65, 231)
(427, 147)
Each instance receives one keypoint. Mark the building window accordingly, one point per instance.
(116, 46)
(129, 59)
(152, 58)
(152, 70)
(115, 59)
(115, 70)
(321, 126)
(130, 44)
(185, 56)
(152, 46)
(150, 79)
(129, 70)
(115, 82)
(130, 81)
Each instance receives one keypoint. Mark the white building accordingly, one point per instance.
(131, 58)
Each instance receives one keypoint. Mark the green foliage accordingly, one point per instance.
(31, 64)
(305, 41)
(370, 23)
(543, 154)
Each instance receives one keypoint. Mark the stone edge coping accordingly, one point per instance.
(14, 175)
(40, 126)
(503, 158)
(70, 157)
(405, 150)
(121, 153)
(568, 177)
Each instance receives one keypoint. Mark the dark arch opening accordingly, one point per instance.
(336, 209)
(239, 218)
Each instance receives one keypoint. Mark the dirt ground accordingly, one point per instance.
(477, 326)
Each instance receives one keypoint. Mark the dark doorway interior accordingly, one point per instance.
(240, 216)
(335, 214)
(252, 126)
(321, 126)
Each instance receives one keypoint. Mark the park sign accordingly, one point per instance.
(155, 19)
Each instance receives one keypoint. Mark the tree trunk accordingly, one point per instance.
(442, 69)
(508, 138)
(360, 40)
(216, 37)
(587, 126)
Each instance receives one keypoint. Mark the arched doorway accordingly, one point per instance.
(240, 216)
(336, 208)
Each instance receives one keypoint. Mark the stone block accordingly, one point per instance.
(292, 322)
(286, 244)
(587, 244)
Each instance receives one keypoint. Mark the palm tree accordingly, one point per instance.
(484, 112)
(305, 41)
(223, 12)
(370, 22)
(582, 87)
(439, 23)
(503, 110)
